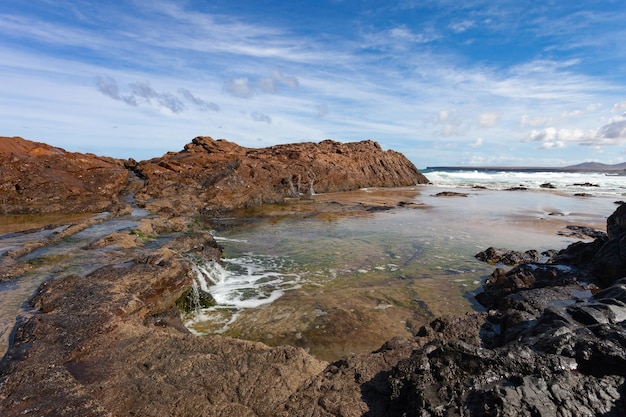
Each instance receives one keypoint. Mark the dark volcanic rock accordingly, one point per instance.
(38, 178)
(210, 174)
(493, 256)
(582, 232)
(610, 261)
(450, 194)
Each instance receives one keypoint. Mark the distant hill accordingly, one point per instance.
(598, 166)
(585, 166)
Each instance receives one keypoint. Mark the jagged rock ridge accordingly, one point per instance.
(212, 173)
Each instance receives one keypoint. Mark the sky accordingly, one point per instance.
(448, 82)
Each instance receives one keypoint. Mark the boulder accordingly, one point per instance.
(494, 256)
(609, 262)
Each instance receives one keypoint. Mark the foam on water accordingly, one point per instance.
(563, 181)
(249, 281)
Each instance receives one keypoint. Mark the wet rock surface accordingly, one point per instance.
(111, 343)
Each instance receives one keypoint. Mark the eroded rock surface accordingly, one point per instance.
(39, 178)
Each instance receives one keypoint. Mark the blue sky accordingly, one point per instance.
(478, 82)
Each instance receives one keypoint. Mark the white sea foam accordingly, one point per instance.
(250, 281)
(562, 181)
(246, 282)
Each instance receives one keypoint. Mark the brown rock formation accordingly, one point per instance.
(111, 344)
(210, 174)
(39, 178)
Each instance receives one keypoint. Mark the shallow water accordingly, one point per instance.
(345, 282)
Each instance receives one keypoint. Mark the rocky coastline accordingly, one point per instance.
(111, 342)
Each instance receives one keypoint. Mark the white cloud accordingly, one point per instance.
(238, 87)
(611, 134)
(245, 88)
(462, 26)
(544, 135)
(277, 79)
(553, 145)
(618, 107)
(477, 143)
(487, 120)
(527, 121)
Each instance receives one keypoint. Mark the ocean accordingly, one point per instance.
(571, 183)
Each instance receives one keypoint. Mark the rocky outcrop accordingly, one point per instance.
(214, 174)
(111, 343)
(553, 341)
(39, 178)
(206, 175)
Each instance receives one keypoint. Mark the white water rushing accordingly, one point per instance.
(249, 281)
(568, 182)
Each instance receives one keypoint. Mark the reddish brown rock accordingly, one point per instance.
(39, 178)
(212, 174)
(112, 344)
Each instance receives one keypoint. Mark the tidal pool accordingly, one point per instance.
(342, 273)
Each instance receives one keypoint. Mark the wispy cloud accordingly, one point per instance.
(143, 93)
(245, 88)
(260, 117)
